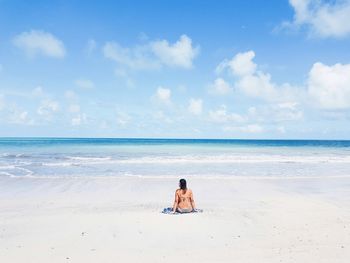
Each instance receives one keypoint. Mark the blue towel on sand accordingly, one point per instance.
(169, 211)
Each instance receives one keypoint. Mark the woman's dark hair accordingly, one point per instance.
(183, 184)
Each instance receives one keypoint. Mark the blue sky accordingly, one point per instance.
(180, 69)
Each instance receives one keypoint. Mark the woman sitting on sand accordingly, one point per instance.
(184, 202)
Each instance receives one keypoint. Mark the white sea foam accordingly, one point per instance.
(237, 159)
(7, 167)
(174, 176)
(2, 173)
(10, 155)
(89, 159)
(62, 164)
(219, 159)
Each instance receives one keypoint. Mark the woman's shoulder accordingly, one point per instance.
(179, 191)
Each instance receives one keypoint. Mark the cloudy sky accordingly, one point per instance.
(178, 69)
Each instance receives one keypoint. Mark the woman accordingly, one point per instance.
(184, 202)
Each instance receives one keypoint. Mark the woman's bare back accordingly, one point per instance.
(184, 198)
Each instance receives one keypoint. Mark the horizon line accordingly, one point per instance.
(170, 138)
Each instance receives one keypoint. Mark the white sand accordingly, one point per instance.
(119, 220)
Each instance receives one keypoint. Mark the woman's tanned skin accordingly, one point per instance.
(183, 198)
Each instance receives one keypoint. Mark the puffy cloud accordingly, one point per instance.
(322, 18)
(163, 95)
(18, 116)
(255, 83)
(47, 107)
(37, 42)
(153, 55)
(84, 84)
(195, 106)
(220, 87)
(74, 110)
(242, 64)
(77, 117)
(329, 86)
(180, 54)
(138, 57)
(222, 116)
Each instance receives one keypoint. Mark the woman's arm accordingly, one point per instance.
(175, 202)
(192, 201)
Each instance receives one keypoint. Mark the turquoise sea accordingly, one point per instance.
(99, 157)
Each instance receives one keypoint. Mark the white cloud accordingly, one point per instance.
(47, 107)
(255, 83)
(220, 87)
(40, 43)
(195, 106)
(180, 54)
(275, 113)
(163, 95)
(78, 120)
(78, 117)
(138, 57)
(123, 119)
(84, 84)
(242, 64)
(18, 116)
(251, 121)
(153, 55)
(329, 86)
(222, 116)
(322, 18)
(250, 128)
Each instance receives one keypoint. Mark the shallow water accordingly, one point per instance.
(57, 157)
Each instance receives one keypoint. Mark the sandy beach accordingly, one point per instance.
(120, 220)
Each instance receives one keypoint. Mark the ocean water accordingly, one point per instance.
(71, 157)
